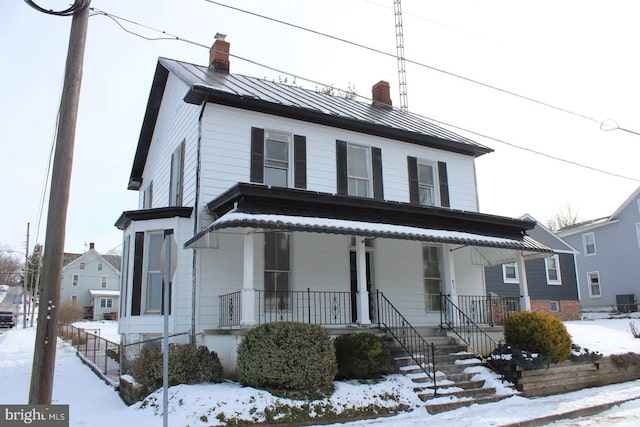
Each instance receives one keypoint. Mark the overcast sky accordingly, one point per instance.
(580, 56)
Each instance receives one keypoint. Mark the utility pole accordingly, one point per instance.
(47, 329)
(25, 281)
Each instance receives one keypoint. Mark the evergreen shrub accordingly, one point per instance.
(288, 358)
(362, 356)
(188, 364)
(539, 333)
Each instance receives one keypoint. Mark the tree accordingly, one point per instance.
(564, 217)
(34, 265)
(10, 268)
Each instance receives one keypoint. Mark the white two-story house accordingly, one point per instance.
(289, 204)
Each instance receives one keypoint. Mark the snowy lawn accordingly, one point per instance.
(93, 403)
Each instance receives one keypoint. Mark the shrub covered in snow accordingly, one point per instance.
(362, 356)
(188, 364)
(288, 358)
(539, 333)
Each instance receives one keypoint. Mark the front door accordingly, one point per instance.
(354, 283)
(432, 277)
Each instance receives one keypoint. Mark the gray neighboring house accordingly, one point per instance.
(553, 282)
(609, 258)
(93, 280)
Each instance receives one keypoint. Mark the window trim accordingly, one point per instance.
(290, 161)
(585, 244)
(597, 274)
(108, 302)
(83, 265)
(434, 177)
(557, 281)
(176, 176)
(557, 306)
(638, 232)
(369, 170)
(506, 279)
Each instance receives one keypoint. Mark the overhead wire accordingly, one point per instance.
(76, 6)
(540, 153)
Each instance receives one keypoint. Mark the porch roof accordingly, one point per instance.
(235, 219)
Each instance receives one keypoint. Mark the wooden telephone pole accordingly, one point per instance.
(47, 330)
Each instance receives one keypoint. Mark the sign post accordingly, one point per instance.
(168, 260)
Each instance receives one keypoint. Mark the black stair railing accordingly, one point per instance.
(476, 339)
(420, 351)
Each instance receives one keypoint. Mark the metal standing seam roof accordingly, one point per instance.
(367, 229)
(204, 79)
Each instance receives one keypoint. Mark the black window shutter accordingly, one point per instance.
(136, 294)
(341, 168)
(412, 169)
(444, 185)
(300, 161)
(376, 161)
(257, 155)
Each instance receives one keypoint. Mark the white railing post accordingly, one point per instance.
(248, 318)
(363, 294)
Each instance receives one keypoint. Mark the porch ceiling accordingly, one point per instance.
(492, 249)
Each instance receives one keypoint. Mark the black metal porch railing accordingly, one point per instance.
(422, 352)
(489, 310)
(317, 307)
(468, 331)
(230, 309)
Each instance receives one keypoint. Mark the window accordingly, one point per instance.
(75, 280)
(276, 271)
(510, 273)
(432, 277)
(153, 282)
(147, 197)
(589, 242)
(593, 280)
(638, 201)
(638, 232)
(177, 176)
(74, 298)
(428, 182)
(106, 302)
(552, 267)
(275, 161)
(82, 265)
(555, 306)
(358, 171)
(103, 281)
(99, 266)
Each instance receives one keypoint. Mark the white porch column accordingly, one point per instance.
(525, 301)
(450, 274)
(248, 293)
(361, 272)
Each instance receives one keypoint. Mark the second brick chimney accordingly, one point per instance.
(219, 54)
(381, 94)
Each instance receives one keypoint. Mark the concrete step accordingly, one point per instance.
(439, 405)
(455, 391)
(466, 385)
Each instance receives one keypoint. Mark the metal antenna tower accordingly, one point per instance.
(402, 73)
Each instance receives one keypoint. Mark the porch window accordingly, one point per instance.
(510, 273)
(552, 267)
(153, 282)
(276, 271)
(106, 302)
(593, 279)
(432, 277)
(589, 242)
(176, 176)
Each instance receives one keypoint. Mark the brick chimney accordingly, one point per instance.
(381, 94)
(92, 246)
(219, 54)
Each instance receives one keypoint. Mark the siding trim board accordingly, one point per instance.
(147, 214)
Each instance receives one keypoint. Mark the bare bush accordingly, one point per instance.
(70, 311)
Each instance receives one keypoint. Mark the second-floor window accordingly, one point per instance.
(359, 170)
(147, 197)
(177, 176)
(75, 280)
(103, 281)
(278, 159)
(428, 182)
(82, 265)
(589, 242)
(99, 266)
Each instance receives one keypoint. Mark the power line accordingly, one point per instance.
(540, 153)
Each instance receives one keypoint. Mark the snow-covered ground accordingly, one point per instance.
(93, 403)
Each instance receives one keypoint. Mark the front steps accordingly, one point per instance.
(455, 386)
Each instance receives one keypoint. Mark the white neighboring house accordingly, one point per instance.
(93, 280)
(289, 204)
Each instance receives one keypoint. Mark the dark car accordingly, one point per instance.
(7, 320)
